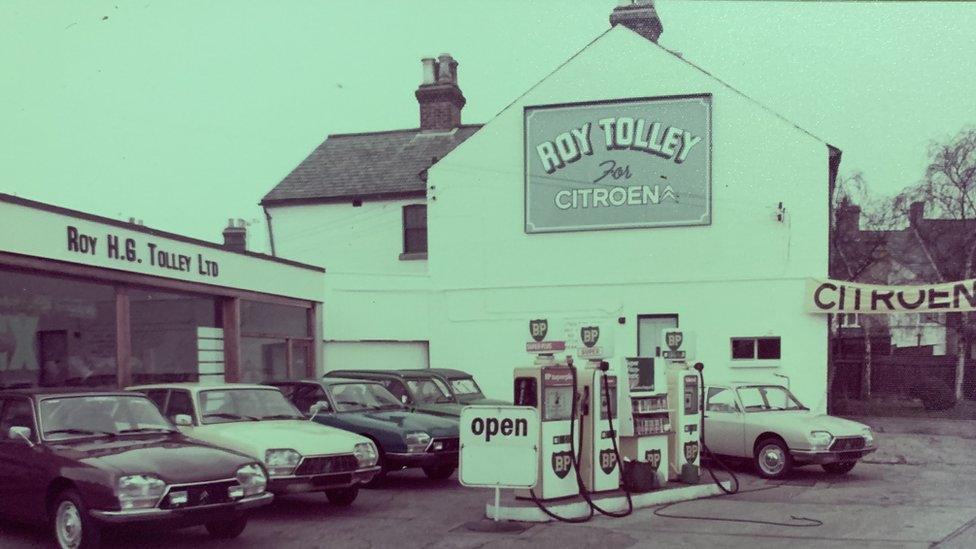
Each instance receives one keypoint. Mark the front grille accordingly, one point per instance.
(449, 444)
(327, 464)
(848, 443)
(200, 494)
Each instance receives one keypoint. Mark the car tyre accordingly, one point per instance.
(227, 529)
(72, 526)
(343, 497)
(772, 458)
(439, 472)
(839, 468)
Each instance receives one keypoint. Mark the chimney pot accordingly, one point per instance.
(439, 96)
(235, 237)
(638, 16)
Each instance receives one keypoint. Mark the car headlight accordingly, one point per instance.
(868, 435)
(139, 491)
(281, 462)
(366, 454)
(417, 442)
(252, 479)
(820, 439)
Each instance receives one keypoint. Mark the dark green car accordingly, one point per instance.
(404, 438)
(437, 391)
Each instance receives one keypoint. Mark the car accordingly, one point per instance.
(83, 460)
(419, 390)
(462, 385)
(767, 424)
(257, 420)
(405, 439)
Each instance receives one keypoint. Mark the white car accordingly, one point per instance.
(767, 424)
(257, 420)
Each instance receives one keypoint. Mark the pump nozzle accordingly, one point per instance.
(604, 365)
(699, 366)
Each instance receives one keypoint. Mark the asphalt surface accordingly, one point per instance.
(918, 490)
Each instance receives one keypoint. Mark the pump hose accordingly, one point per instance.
(705, 448)
(574, 458)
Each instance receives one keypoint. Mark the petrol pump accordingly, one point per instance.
(684, 388)
(597, 388)
(547, 385)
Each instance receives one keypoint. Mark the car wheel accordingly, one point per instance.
(439, 472)
(227, 529)
(72, 526)
(342, 497)
(839, 468)
(772, 458)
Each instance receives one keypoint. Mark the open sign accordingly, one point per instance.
(499, 446)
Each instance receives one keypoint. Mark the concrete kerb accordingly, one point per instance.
(519, 511)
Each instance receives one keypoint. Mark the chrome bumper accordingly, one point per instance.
(820, 457)
(142, 515)
(318, 483)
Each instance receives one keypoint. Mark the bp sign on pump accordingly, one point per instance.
(499, 446)
(618, 164)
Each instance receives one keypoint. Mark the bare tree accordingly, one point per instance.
(859, 233)
(948, 192)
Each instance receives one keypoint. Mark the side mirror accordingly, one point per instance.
(22, 433)
(314, 409)
(404, 399)
(183, 420)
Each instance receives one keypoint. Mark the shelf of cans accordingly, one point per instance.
(656, 404)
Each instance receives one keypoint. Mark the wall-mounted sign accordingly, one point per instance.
(633, 163)
(834, 296)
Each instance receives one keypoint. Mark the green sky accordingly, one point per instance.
(186, 113)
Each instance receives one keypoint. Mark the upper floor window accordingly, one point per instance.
(415, 229)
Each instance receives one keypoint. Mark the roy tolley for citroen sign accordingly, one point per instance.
(633, 163)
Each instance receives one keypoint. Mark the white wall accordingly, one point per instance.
(374, 355)
(370, 293)
(741, 276)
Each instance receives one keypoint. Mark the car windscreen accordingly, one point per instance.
(430, 391)
(112, 415)
(466, 388)
(766, 398)
(229, 405)
(355, 397)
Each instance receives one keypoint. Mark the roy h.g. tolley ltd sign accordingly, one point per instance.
(633, 163)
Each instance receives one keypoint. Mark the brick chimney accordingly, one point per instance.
(439, 96)
(235, 235)
(638, 16)
(916, 212)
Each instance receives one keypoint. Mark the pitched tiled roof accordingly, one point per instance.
(367, 164)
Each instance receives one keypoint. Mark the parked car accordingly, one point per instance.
(257, 420)
(767, 424)
(419, 390)
(82, 460)
(462, 385)
(404, 438)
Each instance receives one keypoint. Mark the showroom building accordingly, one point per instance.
(629, 188)
(92, 301)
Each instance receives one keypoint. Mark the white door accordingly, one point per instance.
(375, 355)
(724, 429)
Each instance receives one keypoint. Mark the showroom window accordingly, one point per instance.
(415, 229)
(56, 331)
(755, 348)
(276, 342)
(173, 337)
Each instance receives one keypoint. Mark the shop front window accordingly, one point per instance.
(276, 342)
(175, 337)
(56, 332)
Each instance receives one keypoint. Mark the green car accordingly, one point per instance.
(404, 438)
(437, 391)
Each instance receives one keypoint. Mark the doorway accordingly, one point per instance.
(649, 332)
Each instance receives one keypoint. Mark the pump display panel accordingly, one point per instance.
(557, 394)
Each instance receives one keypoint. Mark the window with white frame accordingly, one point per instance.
(755, 348)
(415, 229)
(930, 318)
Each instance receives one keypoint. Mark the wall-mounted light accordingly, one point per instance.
(780, 212)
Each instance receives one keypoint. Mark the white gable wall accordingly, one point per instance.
(741, 276)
